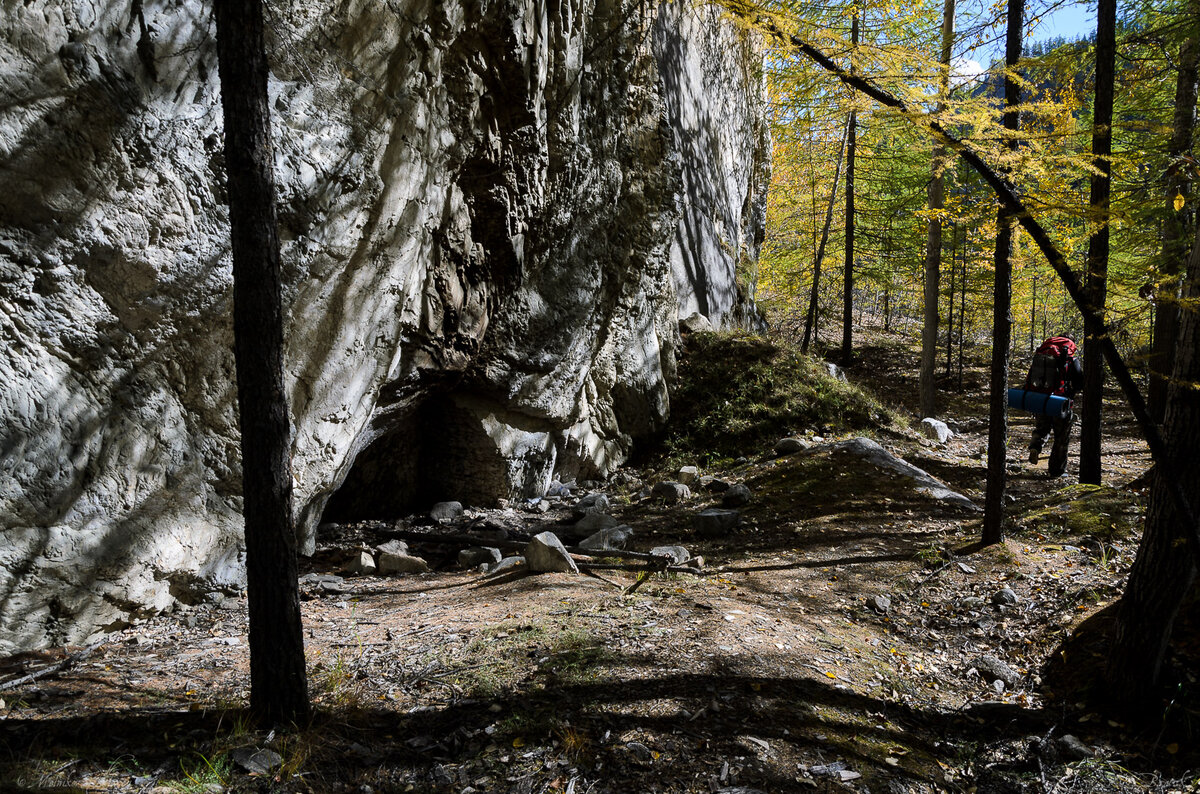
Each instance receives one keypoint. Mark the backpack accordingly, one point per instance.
(1048, 372)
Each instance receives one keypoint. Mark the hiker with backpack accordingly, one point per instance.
(1055, 370)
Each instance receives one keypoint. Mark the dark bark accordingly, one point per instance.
(1176, 228)
(1162, 576)
(1097, 257)
(927, 385)
(997, 465)
(848, 269)
(278, 687)
(810, 318)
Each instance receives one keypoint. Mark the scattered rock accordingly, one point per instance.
(688, 475)
(936, 430)
(1005, 597)
(401, 563)
(695, 323)
(392, 547)
(671, 492)
(475, 556)
(591, 502)
(507, 565)
(546, 554)
(971, 603)
(1071, 747)
(640, 753)
(736, 495)
(557, 489)
(678, 555)
(361, 563)
(256, 762)
(593, 520)
(993, 669)
(790, 446)
(608, 539)
(835, 371)
(445, 512)
(880, 603)
(323, 582)
(715, 523)
(714, 484)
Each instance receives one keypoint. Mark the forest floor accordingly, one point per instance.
(780, 669)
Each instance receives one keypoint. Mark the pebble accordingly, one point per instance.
(1005, 597)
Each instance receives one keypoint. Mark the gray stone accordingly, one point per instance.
(557, 489)
(971, 603)
(695, 323)
(678, 555)
(546, 554)
(445, 512)
(590, 503)
(688, 475)
(579, 230)
(392, 547)
(880, 603)
(737, 495)
(592, 521)
(1074, 749)
(508, 565)
(835, 371)
(608, 539)
(790, 446)
(993, 669)
(475, 556)
(936, 430)
(670, 492)
(639, 753)
(1005, 597)
(923, 482)
(401, 563)
(713, 484)
(256, 762)
(360, 563)
(715, 523)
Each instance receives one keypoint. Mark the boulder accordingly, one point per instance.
(736, 495)
(688, 475)
(671, 492)
(483, 292)
(475, 556)
(608, 539)
(546, 554)
(790, 446)
(401, 563)
(715, 523)
(445, 512)
(936, 430)
(678, 555)
(392, 547)
(591, 502)
(360, 563)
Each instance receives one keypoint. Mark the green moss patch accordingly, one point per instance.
(1097, 511)
(739, 393)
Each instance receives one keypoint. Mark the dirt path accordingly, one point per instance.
(833, 644)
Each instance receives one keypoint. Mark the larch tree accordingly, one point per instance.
(278, 683)
(927, 384)
(997, 452)
(1098, 243)
(848, 267)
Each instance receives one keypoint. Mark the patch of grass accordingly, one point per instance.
(511, 653)
(1079, 511)
(737, 392)
(200, 773)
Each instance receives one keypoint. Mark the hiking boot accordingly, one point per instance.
(1034, 453)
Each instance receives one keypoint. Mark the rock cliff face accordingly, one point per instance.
(493, 214)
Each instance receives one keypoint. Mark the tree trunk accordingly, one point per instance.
(848, 268)
(278, 687)
(933, 245)
(810, 318)
(1162, 576)
(950, 303)
(1175, 231)
(997, 461)
(1097, 257)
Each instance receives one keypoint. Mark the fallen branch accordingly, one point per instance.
(74, 658)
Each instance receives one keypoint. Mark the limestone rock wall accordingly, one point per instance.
(493, 213)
